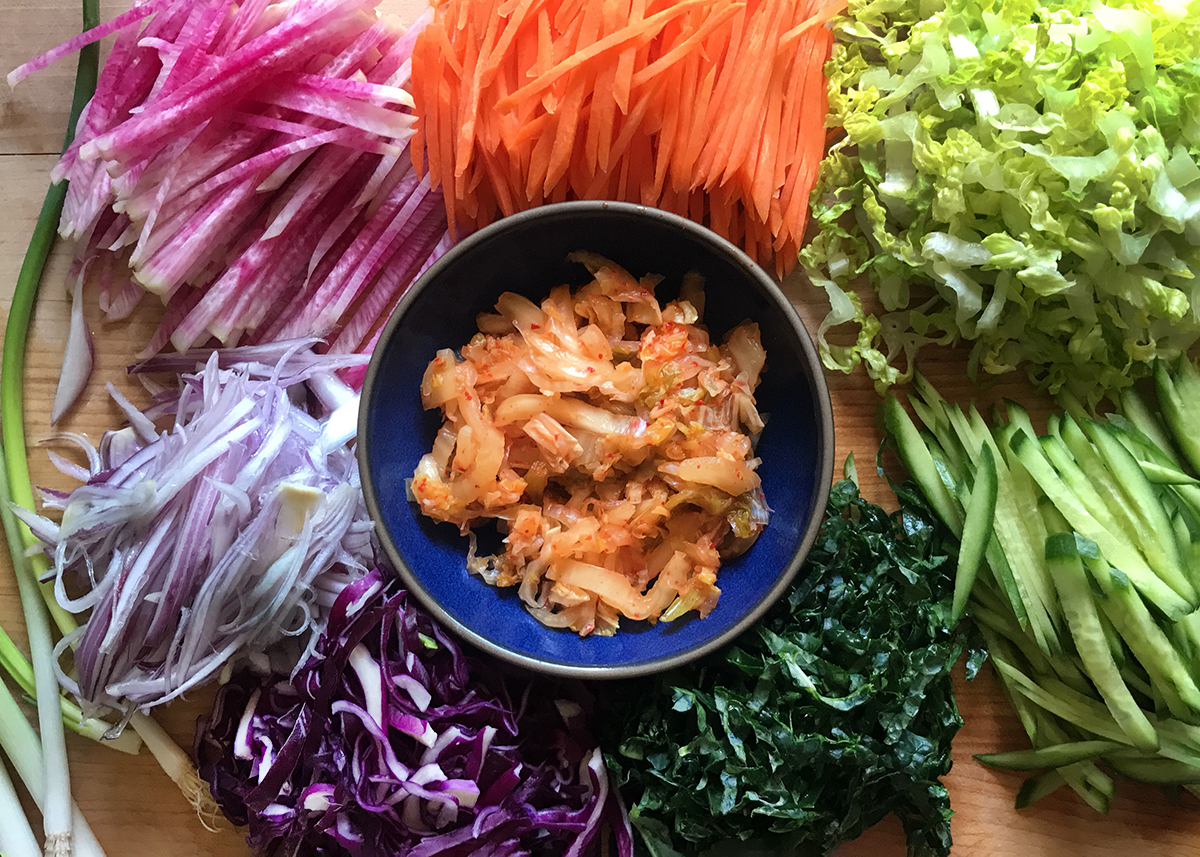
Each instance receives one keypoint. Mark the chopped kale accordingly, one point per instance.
(834, 711)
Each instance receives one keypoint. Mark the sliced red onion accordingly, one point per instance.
(225, 533)
(78, 355)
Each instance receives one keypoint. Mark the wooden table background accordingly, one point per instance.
(133, 808)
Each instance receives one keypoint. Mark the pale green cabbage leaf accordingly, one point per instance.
(1022, 176)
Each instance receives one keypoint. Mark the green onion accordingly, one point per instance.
(16, 836)
(24, 750)
(56, 808)
(52, 783)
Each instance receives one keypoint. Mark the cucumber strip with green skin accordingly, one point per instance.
(951, 475)
(1162, 475)
(1081, 774)
(977, 531)
(1157, 542)
(1168, 673)
(1019, 571)
(1087, 714)
(1074, 593)
(1179, 403)
(1154, 769)
(1054, 426)
(1027, 712)
(1189, 496)
(1116, 549)
(1004, 625)
(1187, 533)
(1019, 417)
(1138, 413)
(1143, 446)
(926, 391)
(1094, 476)
(1115, 646)
(1135, 680)
(1085, 476)
(1085, 779)
(1177, 734)
(1188, 628)
(1051, 756)
(915, 455)
(1071, 404)
(1037, 787)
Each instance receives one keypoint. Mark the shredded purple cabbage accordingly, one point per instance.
(392, 741)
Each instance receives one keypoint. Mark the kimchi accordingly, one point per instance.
(610, 439)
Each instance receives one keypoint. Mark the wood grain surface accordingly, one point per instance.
(137, 812)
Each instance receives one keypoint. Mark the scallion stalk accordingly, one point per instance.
(56, 808)
(24, 750)
(16, 836)
(15, 475)
(176, 764)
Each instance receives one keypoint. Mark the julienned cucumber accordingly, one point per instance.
(1079, 561)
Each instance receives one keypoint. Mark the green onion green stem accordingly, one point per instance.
(37, 604)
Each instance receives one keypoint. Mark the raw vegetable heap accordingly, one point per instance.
(248, 165)
(1088, 592)
(611, 441)
(709, 108)
(1022, 176)
(223, 535)
(391, 741)
(833, 712)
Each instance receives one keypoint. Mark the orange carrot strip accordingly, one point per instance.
(532, 128)
(696, 135)
(624, 77)
(815, 106)
(821, 16)
(578, 85)
(421, 105)
(499, 182)
(604, 105)
(760, 171)
(634, 120)
(689, 78)
(758, 83)
(727, 71)
(514, 23)
(639, 33)
(539, 161)
(678, 52)
(447, 52)
(465, 139)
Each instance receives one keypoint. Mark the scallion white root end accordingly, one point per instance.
(58, 845)
(179, 768)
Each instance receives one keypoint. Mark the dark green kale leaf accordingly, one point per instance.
(834, 711)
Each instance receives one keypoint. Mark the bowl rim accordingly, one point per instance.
(823, 406)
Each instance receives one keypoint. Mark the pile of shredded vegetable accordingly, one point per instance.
(248, 164)
(712, 109)
(223, 535)
(610, 438)
(390, 740)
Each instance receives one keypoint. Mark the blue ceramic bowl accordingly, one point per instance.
(527, 253)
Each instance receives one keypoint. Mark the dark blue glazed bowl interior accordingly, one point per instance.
(527, 254)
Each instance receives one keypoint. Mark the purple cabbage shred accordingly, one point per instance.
(390, 740)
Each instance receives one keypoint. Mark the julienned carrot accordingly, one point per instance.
(710, 108)
(597, 50)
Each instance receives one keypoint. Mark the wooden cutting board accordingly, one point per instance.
(136, 811)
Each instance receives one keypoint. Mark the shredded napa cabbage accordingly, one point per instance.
(1022, 176)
